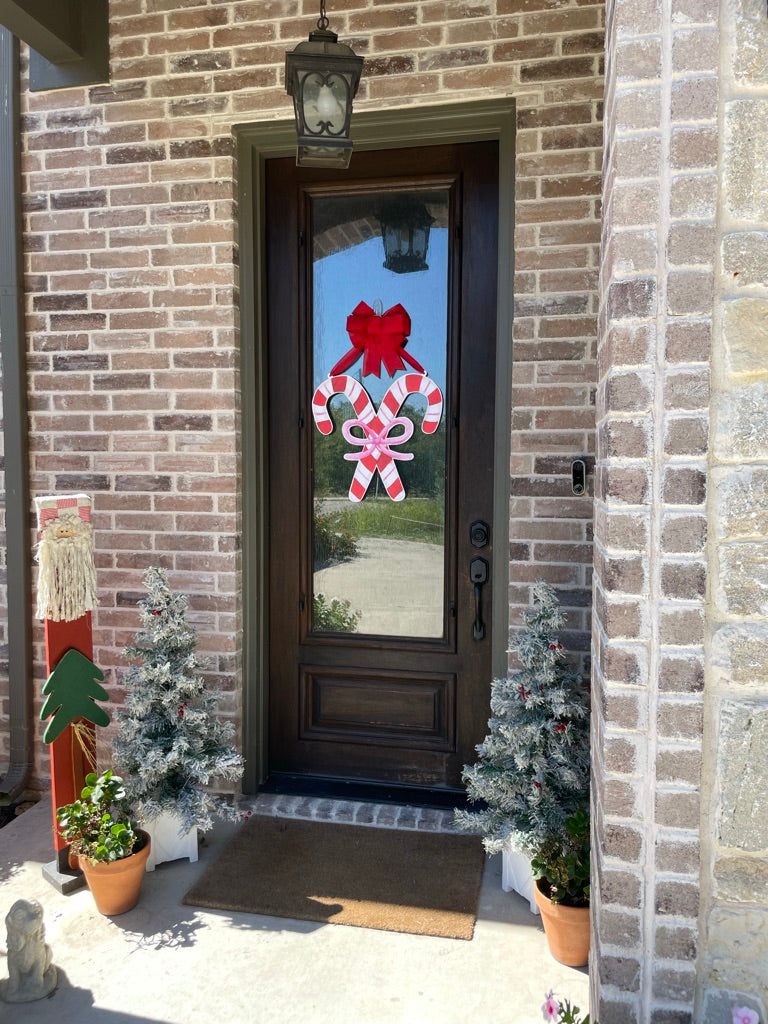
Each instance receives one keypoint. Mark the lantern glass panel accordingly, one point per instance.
(420, 242)
(324, 103)
(395, 240)
(337, 155)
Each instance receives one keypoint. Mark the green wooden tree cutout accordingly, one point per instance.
(72, 691)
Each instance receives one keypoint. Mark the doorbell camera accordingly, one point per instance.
(579, 476)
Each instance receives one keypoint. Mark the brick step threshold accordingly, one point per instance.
(351, 812)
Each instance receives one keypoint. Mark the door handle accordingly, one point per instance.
(478, 575)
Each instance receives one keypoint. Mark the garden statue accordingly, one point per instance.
(32, 975)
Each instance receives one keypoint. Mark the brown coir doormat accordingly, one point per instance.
(420, 882)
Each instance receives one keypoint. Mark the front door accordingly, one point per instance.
(382, 333)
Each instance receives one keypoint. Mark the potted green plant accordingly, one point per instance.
(112, 852)
(560, 865)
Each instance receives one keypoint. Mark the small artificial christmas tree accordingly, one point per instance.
(533, 771)
(170, 745)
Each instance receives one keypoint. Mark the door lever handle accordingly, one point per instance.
(478, 575)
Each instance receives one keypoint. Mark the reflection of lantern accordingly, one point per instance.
(322, 76)
(405, 227)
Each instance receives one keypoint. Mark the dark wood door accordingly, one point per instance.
(381, 364)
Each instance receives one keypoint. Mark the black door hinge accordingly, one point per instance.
(302, 602)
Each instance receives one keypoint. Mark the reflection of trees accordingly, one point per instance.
(423, 476)
(334, 541)
(332, 475)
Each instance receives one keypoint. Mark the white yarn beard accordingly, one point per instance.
(66, 586)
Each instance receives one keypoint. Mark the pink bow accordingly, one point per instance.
(377, 442)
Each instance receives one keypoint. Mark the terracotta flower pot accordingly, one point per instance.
(566, 928)
(116, 886)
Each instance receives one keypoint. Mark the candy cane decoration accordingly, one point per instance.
(413, 384)
(341, 385)
(376, 443)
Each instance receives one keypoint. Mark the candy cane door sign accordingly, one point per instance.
(379, 639)
(379, 448)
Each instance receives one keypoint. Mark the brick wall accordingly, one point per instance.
(650, 512)
(131, 276)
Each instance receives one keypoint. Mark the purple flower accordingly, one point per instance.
(743, 1015)
(551, 1008)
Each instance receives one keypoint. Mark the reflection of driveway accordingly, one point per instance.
(395, 585)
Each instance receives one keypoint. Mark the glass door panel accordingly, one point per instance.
(379, 295)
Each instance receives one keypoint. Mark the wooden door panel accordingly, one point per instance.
(393, 709)
(404, 702)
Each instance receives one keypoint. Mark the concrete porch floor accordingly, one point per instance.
(165, 963)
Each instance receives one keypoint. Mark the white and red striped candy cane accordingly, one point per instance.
(413, 384)
(340, 385)
(376, 453)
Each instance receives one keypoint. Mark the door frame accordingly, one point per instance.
(484, 120)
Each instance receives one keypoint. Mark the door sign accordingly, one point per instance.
(377, 443)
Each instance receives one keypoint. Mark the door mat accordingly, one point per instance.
(424, 883)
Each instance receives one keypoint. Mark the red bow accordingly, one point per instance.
(381, 339)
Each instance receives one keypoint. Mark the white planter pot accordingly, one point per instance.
(167, 844)
(516, 876)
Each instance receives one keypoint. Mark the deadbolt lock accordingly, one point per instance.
(479, 534)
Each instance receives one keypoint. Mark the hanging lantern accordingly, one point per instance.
(405, 225)
(322, 76)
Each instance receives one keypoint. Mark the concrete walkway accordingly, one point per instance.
(394, 586)
(164, 963)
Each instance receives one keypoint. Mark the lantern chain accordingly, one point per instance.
(322, 21)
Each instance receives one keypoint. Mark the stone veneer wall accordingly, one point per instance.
(734, 899)
(132, 281)
(679, 633)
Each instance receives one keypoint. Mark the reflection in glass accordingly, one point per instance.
(379, 564)
(405, 232)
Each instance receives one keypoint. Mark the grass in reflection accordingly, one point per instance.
(412, 519)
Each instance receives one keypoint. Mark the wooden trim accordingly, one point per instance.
(389, 129)
(14, 365)
(53, 29)
(68, 40)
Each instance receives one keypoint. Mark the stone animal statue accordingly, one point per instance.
(32, 975)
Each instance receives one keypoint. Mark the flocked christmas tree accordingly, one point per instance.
(170, 745)
(533, 771)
